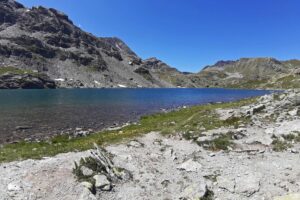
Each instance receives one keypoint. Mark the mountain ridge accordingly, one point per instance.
(46, 41)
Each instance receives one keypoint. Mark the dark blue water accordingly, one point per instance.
(48, 112)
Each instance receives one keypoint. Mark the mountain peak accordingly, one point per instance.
(12, 3)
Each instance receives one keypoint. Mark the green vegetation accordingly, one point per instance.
(14, 70)
(220, 143)
(286, 142)
(279, 145)
(89, 163)
(251, 84)
(285, 82)
(190, 120)
(291, 81)
(294, 136)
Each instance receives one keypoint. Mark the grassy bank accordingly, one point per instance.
(188, 121)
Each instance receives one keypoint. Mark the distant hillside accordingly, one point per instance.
(251, 73)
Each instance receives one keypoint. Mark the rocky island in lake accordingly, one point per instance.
(112, 125)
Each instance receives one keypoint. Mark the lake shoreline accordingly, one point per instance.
(34, 115)
(216, 151)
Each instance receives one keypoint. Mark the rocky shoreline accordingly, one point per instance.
(257, 158)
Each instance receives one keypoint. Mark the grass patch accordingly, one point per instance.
(250, 84)
(89, 163)
(280, 146)
(220, 143)
(184, 120)
(14, 70)
(294, 136)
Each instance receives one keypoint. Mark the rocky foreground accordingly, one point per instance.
(260, 160)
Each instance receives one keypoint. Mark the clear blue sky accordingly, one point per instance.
(189, 34)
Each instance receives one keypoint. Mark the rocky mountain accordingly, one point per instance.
(46, 41)
(251, 73)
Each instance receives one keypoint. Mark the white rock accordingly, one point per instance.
(247, 185)
(226, 183)
(135, 144)
(87, 185)
(262, 139)
(86, 195)
(293, 112)
(269, 131)
(102, 182)
(13, 187)
(204, 138)
(190, 166)
(294, 151)
(86, 171)
(195, 191)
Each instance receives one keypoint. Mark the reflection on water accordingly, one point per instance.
(48, 112)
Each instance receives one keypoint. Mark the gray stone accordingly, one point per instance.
(258, 108)
(87, 185)
(13, 187)
(190, 166)
(86, 171)
(205, 138)
(247, 185)
(294, 151)
(194, 192)
(101, 182)
(86, 195)
(135, 144)
(226, 183)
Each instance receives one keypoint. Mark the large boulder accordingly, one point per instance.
(247, 185)
(102, 183)
(226, 183)
(194, 192)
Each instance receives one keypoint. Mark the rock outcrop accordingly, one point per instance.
(26, 81)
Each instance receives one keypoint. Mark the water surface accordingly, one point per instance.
(49, 112)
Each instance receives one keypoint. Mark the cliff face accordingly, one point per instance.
(47, 41)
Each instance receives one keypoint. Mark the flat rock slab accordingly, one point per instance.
(289, 197)
(248, 185)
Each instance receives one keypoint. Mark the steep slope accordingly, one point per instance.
(251, 73)
(166, 73)
(46, 41)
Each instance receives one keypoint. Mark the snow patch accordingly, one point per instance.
(234, 75)
(122, 86)
(59, 79)
(97, 82)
